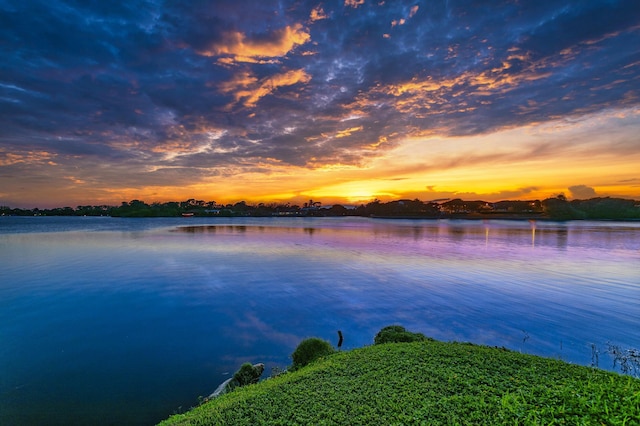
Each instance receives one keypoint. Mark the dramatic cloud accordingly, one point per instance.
(249, 90)
(243, 49)
(111, 100)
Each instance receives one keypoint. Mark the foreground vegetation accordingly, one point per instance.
(431, 383)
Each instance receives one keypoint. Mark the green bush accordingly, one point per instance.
(309, 350)
(397, 334)
(248, 374)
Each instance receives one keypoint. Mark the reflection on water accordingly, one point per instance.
(123, 321)
(534, 230)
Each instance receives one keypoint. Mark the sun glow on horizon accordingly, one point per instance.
(531, 162)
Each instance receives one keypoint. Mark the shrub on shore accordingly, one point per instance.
(309, 350)
(398, 334)
(248, 374)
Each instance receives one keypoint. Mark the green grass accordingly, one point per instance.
(429, 383)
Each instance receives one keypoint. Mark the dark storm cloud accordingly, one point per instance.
(209, 84)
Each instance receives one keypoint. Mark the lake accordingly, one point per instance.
(126, 321)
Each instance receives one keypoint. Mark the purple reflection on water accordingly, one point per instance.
(122, 321)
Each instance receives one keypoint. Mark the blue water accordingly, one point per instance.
(125, 321)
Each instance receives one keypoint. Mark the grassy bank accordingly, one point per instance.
(429, 383)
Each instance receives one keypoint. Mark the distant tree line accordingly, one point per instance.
(558, 208)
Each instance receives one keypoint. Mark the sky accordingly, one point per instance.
(338, 101)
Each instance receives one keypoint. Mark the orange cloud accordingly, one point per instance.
(348, 132)
(75, 180)
(497, 79)
(419, 96)
(317, 14)
(419, 86)
(28, 157)
(403, 21)
(353, 3)
(242, 49)
(241, 79)
(249, 90)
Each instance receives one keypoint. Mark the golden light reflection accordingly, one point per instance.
(486, 232)
(533, 232)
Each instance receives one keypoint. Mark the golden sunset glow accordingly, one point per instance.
(342, 103)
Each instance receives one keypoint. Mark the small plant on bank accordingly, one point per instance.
(309, 350)
(398, 334)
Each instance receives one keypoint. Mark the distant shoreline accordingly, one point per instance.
(557, 208)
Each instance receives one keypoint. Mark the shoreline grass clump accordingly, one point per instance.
(431, 383)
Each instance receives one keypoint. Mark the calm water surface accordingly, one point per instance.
(125, 321)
